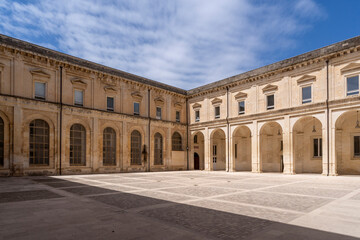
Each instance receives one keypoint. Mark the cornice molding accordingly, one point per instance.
(110, 89)
(216, 101)
(78, 82)
(240, 95)
(270, 88)
(350, 67)
(137, 95)
(159, 101)
(306, 79)
(40, 72)
(196, 106)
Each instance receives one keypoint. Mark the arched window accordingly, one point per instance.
(77, 145)
(135, 148)
(158, 153)
(176, 142)
(195, 139)
(109, 146)
(39, 142)
(1, 142)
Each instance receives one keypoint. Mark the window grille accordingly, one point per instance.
(77, 145)
(39, 142)
(135, 148)
(176, 142)
(109, 146)
(158, 158)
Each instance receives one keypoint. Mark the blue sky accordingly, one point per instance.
(184, 43)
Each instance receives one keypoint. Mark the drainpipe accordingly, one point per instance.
(149, 135)
(228, 130)
(327, 117)
(61, 108)
(187, 135)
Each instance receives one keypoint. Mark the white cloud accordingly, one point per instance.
(183, 43)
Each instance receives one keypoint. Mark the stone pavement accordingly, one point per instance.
(180, 205)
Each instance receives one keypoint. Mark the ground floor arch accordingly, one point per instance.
(308, 145)
(347, 143)
(241, 153)
(271, 148)
(198, 151)
(218, 150)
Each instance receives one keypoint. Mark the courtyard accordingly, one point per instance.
(180, 205)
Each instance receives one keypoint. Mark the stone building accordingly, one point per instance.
(63, 115)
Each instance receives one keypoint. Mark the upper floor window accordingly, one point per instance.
(110, 103)
(79, 97)
(241, 107)
(40, 88)
(217, 112)
(195, 139)
(158, 112)
(177, 116)
(270, 102)
(352, 87)
(306, 94)
(136, 108)
(197, 116)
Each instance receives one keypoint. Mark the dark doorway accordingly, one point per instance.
(196, 161)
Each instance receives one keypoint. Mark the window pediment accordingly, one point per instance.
(136, 95)
(159, 101)
(78, 82)
(196, 106)
(351, 66)
(39, 72)
(108, 81)
(270, 88)
(178, 105)
(2, 66)
(240, 95)
(306, 79)
(216, 101)
(109, 89)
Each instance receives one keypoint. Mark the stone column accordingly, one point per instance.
(125, 148)
(332, 149)
(231, 153)
(287, 147)
(95, 148)
(207, 150)
(19, 162)
(325, 147)
(255, 148)
(227, 150)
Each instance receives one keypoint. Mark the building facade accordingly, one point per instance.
(64, 115)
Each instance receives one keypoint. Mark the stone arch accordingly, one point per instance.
(271, 147)
(347, 142)
(198, 148)
(218, 150)
(100, 142)
(307, 145)
(241, 141)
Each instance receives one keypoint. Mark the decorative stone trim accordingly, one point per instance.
(137, 96)
(178, 105)
(351, 66)
(269, 88)
(216, 101)
(196, 106)
(306, 79)
(78, 82)
(240, 96)
(109, 89)
(159, 101)
(39, 73)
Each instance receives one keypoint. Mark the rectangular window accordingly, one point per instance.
(235, 150)
(110, 103)
(356, 146)
(352, 85)
(217, 112)
(158, 112)
(136, 108)
(306, 94)
(197, 116)
(40, 90)
(79, 98)
(270, 102)
(317, 147)
(241, 107)
(177, 116)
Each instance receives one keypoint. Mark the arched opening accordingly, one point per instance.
(39, 142)
(198, 149)
(77, 145)
(135, 157)
(196, 161)
(218, 148)
(307, 145)
(158, 149)
(347, 143)
(271, 148)
(109, 147)
(242, 148)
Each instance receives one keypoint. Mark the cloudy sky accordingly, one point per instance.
(184, 43)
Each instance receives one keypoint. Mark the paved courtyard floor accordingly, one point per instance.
(180, 205)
